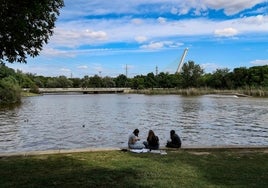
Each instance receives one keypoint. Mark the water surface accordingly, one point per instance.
(105, 120)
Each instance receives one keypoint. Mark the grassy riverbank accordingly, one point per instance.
(28, 94)
(203, 91)
(191, 168)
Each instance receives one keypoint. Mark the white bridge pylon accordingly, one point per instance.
(181, 61)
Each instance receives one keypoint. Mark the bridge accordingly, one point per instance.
(84, 90)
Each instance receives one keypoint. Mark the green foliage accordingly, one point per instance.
(191, 74)
(219, 79)
(108, 82)
(121, 81)
(5, 71)
(25, 26)
(9, 90)
(95, 81)
(58, 82)
(23, 80)
(150, 80)
(138, 82)
(76, 82)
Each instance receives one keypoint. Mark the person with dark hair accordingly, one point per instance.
(133, 140)
(175, 140)
(152, 141)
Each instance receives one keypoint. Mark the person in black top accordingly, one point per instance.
(152, 141)
(175, 140)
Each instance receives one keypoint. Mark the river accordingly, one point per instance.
(75, 121)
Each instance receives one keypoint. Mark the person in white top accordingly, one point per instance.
(133, 140)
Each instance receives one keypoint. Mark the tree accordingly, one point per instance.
(191, 74)
(64, 82)
(25, 26)
(9, 91)
(121, 81)
(240, 77)
(108, 82)
(76, 82)
(219, 78)
(258, 76)
(138, 82)
(163, 80)
(150, 81)
(95, 81)
(5, 71)
(23, 80)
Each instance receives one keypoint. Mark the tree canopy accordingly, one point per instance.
(26, 26)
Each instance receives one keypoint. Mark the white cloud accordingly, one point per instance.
(65, 70)
(255, 20)
(137, 21)
(174, 10)
(153, 45)
(161, 20)
(226, 32)
(160, 45)
(99, 35)
(260, 62)
(82, 67)
(231, 7)
(66, 35)
(141, 39)
(51, 52)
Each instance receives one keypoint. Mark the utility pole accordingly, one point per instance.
(156, 71)
(126, 70)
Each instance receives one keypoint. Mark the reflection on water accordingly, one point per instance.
(78, 121)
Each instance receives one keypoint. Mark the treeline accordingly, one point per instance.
(191, 76)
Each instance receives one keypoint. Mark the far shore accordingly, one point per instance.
(204, 91)
(165, 91)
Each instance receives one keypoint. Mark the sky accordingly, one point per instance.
(137, 37)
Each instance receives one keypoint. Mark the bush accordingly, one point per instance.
(10, 91)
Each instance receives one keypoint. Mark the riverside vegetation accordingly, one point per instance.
(192, 80)
(180, 168)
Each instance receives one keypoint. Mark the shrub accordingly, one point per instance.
(10, 91)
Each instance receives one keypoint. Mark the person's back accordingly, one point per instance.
(153, 142)
(175, 140)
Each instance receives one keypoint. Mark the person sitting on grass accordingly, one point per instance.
(175, 140)
(152, 141)
(133, 140)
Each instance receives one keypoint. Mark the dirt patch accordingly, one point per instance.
(199, 153)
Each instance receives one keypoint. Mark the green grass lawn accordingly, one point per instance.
(211, 168)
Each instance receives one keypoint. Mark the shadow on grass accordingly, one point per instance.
(62, 172)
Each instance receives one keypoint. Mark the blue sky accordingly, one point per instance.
(104, 37)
